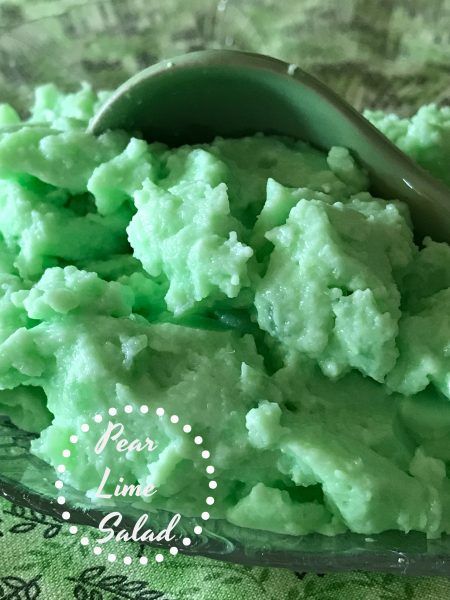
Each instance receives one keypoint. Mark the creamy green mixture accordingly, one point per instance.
(253, 287)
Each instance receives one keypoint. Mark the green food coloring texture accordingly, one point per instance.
(255, 289)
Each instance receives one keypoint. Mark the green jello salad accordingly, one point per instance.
(255, 288)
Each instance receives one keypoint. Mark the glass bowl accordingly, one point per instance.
(376, 55)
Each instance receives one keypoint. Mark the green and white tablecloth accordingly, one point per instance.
(39, 558)
(391, 54)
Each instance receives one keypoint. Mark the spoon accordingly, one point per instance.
(228, 93)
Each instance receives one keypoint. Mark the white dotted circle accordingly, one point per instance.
(128, 409)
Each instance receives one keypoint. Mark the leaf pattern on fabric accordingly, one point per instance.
(94, 583)
(16, 588)
(30, 519)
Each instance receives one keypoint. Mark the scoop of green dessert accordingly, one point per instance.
(252, 287)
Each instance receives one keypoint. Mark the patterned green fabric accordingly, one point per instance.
(390, 54)
(39, 558)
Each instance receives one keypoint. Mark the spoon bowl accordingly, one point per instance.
(198, 96)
